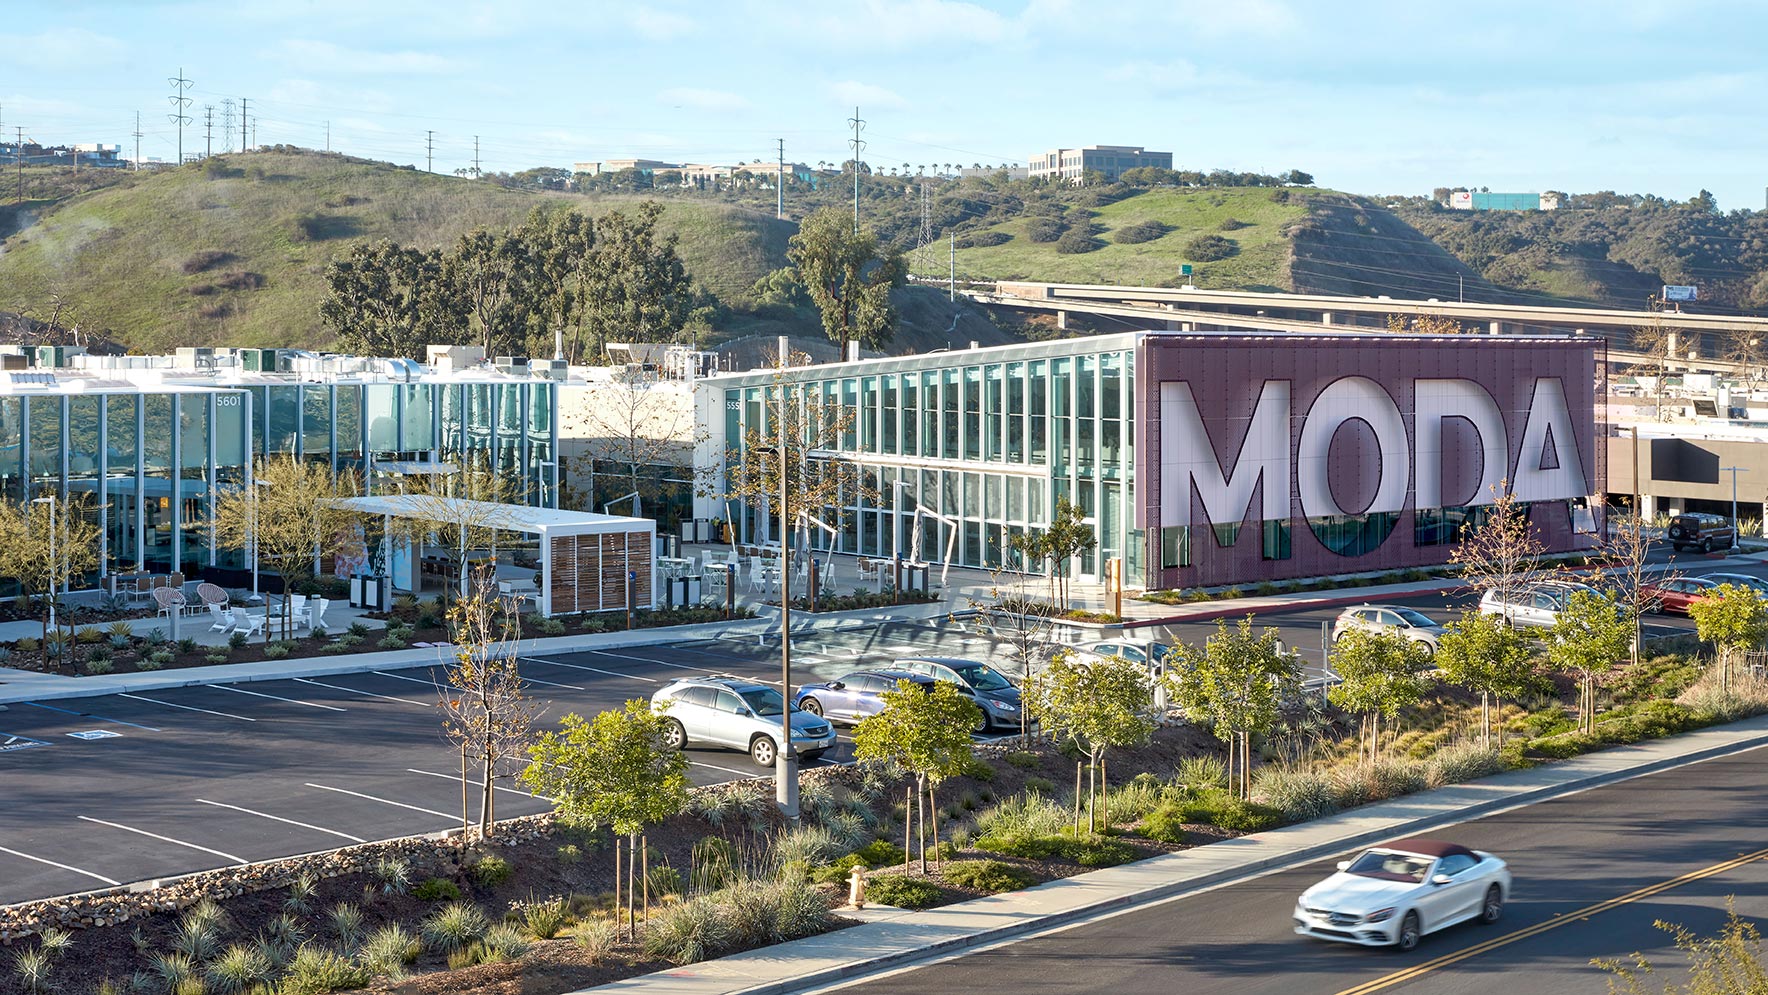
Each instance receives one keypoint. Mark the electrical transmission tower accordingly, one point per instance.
(208, 130)
(227, 124)
(180, 103)
(476, 173)
(429, 151)
(924, 241)
(780, 184)
(859, 125)
(242, 124)
(137, 134)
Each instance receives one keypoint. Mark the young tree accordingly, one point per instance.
(288, 517)
(1734, 619)
(1022, 636)
(1380, 673)
(484, 711)
(1066, 537)
(925, 731)
(1484, 653)
(1098, 704)
(1503, 552)
(849, 278)
(1590, 634)
(45, 544)
(1237, 684)
(613, 770)
(1628, 548)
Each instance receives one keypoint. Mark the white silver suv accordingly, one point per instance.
(1397, 620)
(738, 713)
(1536, 606)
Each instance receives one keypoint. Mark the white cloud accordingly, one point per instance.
(863, 95)
(660, 25)
(62, 48)
(321, 57)
(700, 99)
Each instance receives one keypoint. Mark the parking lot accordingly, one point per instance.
(122, 788)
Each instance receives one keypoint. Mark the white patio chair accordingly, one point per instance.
(250, 623)
(223, 618)
(757, 576)
(298, 608)
(826, 576)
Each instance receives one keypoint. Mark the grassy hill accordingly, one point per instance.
(234, 253)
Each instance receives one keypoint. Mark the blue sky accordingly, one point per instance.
(1372, 97)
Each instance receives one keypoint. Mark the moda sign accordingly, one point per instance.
(1360, 428)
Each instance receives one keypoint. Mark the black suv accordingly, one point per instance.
(1700, 531)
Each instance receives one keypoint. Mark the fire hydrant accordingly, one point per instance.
(856, 888)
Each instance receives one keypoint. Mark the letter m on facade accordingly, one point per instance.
(1258, 448)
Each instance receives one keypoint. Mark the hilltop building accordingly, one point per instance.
(1109, 161)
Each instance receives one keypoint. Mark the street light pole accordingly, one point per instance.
(1734, 471)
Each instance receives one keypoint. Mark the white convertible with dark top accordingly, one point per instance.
(1392, 895)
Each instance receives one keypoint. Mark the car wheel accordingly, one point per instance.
(1409, 933)
(812, 706)
(981, 726)
(1706, 545)
(674, 736)
(1494, 905)
(762, 751)
(1425, 645)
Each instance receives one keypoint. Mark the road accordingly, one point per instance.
(1584, 850)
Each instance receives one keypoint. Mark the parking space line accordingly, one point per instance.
(593, 670)
(278, 818)
(371, 694)
(166, 839)
(433, 685)
(495, 787)
(646, 659)
(188, 708)
(65, 867)
(728, 770)
(292, 701)
(551, 684)
(89, 715)
(384, 801)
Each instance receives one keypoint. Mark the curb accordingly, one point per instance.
(1255, 866)
(1211, 614)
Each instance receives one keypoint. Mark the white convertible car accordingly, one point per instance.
(1394, 894)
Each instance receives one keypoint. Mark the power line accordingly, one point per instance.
(179, 103)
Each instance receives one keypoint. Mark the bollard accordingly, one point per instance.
(856, 887)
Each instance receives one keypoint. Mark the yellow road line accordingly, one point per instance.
(1400, 977)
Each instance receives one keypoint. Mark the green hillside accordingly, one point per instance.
(233, 252)
(1252, 219)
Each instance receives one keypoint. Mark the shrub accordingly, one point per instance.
(186, 645)
(1209, 248)
(570, 853)
(1234, 224)
(987, 875)
(596, 939)
(207, 258)
(238, 969)
(391, 642)
(880, 853)
(983, 239)
(489, 872)
(217, 657)
(358, 630)
(152, 661)
(1388, 777)
(712, 863)
(88, 634)
(27, 644)
(1463, 762)
(663, 880)
(810, 845)
(275, 651)
(1165, 824)
(1040, 785)
(902, 892)
(316, 970)
(236, 640)
(764, 912)
(502, 943)
(1025, 759)
(97, 666)
(1130, 802)
(687, 932)
(1144, 231)
(1076, 241)
(454, 926)
(1044, 229)
(1026, 815)
(1218, 808)
(389, 949)
(1299, 793)
(393, 874)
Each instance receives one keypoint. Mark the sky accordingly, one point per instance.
(1378, 97)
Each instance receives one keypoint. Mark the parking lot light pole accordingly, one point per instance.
(1734, 471)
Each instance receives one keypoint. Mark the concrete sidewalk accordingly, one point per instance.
(898, 939)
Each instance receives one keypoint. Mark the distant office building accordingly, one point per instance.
(645, 166)
(91, 155)
(1013, 172)
(1109, 161)
(1471, 200)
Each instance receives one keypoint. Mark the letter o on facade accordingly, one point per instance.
(1362, 399)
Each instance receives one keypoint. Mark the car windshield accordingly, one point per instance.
(1413, 618)
(982, 678)
(763, 701)
(1390, 866)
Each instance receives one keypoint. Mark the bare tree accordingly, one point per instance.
(1626, 549)
(1024, 637)
(289, 517)
(1655, 341)
(484, 712)
(1503, 552)
(639, 419)
(458, 514)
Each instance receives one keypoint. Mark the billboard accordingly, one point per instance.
(1318, 455)
(1680, 293)
(1461, 200)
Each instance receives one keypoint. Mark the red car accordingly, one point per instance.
(1675, 595)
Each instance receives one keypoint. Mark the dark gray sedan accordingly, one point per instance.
(854, 696)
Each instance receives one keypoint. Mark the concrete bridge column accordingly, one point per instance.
(1062, 320)
(1326, 317)
(1495, 328)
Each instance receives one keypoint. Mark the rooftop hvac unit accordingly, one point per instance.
(550, 369)
(57, 356)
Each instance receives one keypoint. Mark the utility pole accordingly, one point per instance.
(179, 104)
(858, 147)
(951, 288)
(21, 164)
(137, 134)
(780, 184)
(208, 130)
(429, 151)
(475, 157)
(328, 136)
(242, 124)
(1734, 471)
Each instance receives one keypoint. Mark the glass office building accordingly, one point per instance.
(967, 449)
(153, 444)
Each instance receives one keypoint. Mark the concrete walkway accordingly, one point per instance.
(894, 939)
